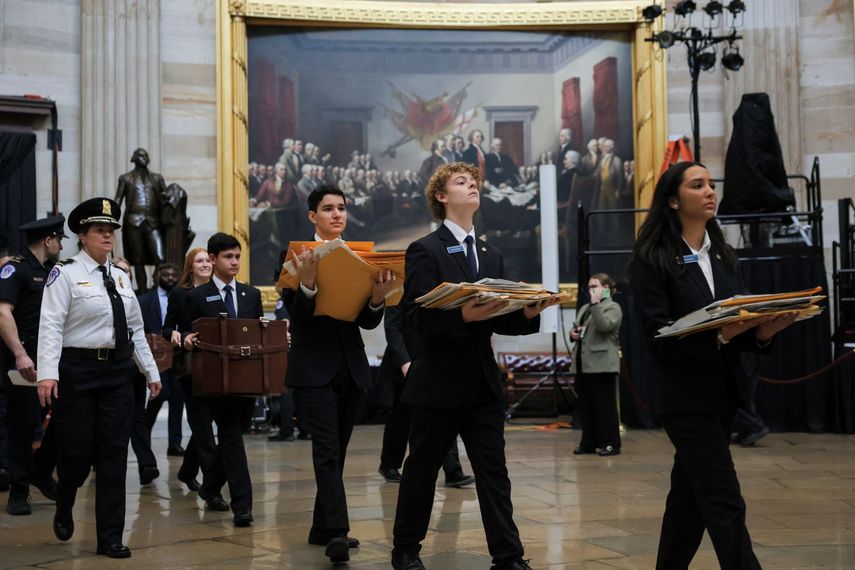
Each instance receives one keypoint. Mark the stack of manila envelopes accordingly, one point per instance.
(449, 296)
(744, 308)
(344, 275)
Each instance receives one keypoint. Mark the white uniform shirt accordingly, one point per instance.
(704, 260)
(460, 235)
(221, 284)
(76, 312)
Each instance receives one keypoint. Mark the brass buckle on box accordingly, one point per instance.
(246, 351)
(102, 353)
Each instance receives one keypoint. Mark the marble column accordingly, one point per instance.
(120, 87)
(770, 46)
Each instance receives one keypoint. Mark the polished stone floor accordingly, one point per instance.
(586, 512)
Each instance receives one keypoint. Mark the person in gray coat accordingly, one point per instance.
(596, 363)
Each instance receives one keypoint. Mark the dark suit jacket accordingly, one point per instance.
(696, 376)
(452, 359)
(320, 345)
(558, 157)
(197, 305)
(500, 169)
(470, 155)
(400, 344)
(150, 307)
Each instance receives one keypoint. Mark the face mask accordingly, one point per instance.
(606, 294)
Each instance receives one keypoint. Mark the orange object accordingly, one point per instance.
(677, 151)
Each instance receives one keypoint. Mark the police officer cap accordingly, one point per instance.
(51, 226)
(94, 211)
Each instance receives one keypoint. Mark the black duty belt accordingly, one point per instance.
(93, 354)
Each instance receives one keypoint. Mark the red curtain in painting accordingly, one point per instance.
(287, 109)
(606, 100)
(571, 111)
(265, 143)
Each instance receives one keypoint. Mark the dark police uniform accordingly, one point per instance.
(22, 282)
(86, 311)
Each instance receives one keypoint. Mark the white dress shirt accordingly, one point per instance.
(220, 284)
(704, 260)
(163, 300)
(460, 235)
(76, 312)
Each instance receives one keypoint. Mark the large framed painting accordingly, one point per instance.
(373, 97)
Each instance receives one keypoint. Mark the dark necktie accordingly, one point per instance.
(120, 321)
(470, 257)
(229, 302)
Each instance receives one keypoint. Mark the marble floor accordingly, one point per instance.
(586, 512)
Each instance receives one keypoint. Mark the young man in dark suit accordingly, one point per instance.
(453, 382)
(328, 371)
(223, 294)
(153, 304)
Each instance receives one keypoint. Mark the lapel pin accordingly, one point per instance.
(483, 249)
(717, 256)
(243, 293)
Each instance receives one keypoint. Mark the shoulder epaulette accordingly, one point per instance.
(66, 261)
(17, 258)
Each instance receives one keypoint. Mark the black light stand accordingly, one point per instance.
(556, 384)
(700, 47)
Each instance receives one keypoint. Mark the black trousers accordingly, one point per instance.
(396, 432)
(172, 393)
(704, 495)
(22, 419)
(229, 463)
(201, 447)
(329, 413)
(93, 414)
(598, 411)
(433, 430)
(140, 434)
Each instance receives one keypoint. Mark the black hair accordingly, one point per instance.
(318, 194)
(221, 242)
(660, 237)
(168, 265)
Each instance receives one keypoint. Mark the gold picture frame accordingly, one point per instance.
(233, 16)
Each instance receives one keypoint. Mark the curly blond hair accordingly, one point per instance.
(438, 181)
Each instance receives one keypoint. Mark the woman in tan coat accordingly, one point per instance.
(596, 363)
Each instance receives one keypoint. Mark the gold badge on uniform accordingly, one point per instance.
(121, 282)
(106, 209)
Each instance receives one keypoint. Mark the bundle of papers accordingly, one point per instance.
(344, 275)
(449, 296)
(745, 308)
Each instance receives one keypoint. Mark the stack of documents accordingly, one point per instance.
(744, 308)
(449, 296)
(344, 275)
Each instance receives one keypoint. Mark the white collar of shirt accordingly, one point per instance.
(704, 261)
(705, 247)
(220, 283)
(318, 238)
(90, 264)
(458, 232)
(161, 292)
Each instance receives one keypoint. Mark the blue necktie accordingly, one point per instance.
(470, 257)
(229, 302)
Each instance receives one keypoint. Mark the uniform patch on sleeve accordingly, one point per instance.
(279, 304)
(7, 271)
(54, 273)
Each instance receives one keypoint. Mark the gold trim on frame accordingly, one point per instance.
(649, 98)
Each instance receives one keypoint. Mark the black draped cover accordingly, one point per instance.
(17, 186)
(824, 401)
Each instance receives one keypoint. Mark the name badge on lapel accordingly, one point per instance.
(454, 249)
(690, 258)
(213, 298)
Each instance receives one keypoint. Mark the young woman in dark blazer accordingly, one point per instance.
(680, 264)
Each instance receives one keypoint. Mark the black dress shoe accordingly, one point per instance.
(148, 474)
(304, 435)
(460, 481)
(175, 451)
(609, 450)
(4, 479)
(243, 518)
(281, 437)
(318, 539)
(584, 451)
(337, 550)
(754, 437)
(191, 482)
(214, 502)
(406, 561)
(47, 486)
(117, 550)
(18, 504)
(391, 474)
(63, 525)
